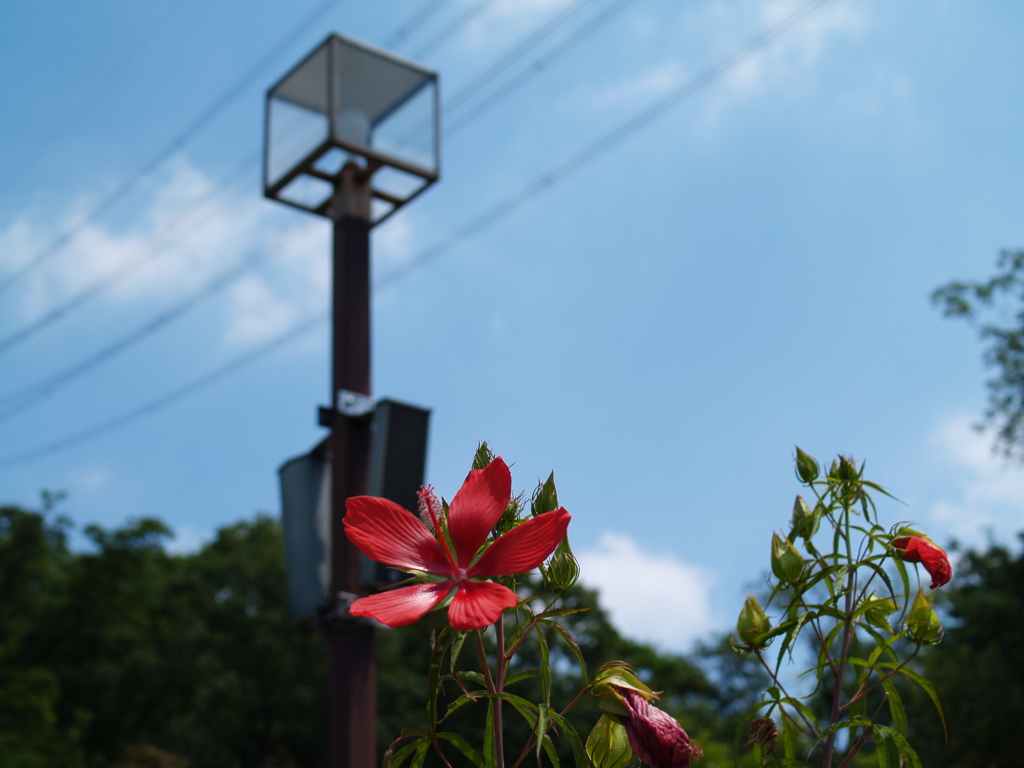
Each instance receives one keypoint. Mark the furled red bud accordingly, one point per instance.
(804, 521)
(787, 565)
(609, 683)
(656, 737)
(752, 621)
(806, 466)
(923, 625)
(921, 549)
(877, 610)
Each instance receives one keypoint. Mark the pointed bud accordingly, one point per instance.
(787, 565)
(804, 521)
(877, 611)
(752, 622)
(847, 468)
(483, 456)
(806, 466)
(561, 571)
(923, 625)
(545, 498)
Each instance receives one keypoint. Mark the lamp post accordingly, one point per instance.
(351, 133)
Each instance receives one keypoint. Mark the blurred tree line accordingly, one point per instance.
(124, 655)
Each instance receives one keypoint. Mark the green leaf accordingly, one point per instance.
(489, 735)
(930, 690)
(896, 708)
(524, 675)
(541, 729)
(552, 753)
(788, 736)
(395, 759)
(421, 753)
(545, 667)
(569, 641)
(456, 649)
(440, 644)
(463, 746)
(578, 752)
(607, 744)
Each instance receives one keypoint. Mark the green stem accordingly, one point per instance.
(499, 688)
(845, 646)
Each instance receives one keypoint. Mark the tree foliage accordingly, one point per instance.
(128, 656)
(996, 308)
(979, 668)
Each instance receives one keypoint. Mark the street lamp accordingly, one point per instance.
(347, 102)
(352, 133)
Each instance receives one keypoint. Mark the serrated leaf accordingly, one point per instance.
(896, 708)
(930, 690)
(541, 729)
(570, 642)
(578, 752)
(488, 748)
(463, 746)
(394, 759)
(420, 755)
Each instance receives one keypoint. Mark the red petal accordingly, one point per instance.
(917, 549)
(524, 547)
(386, 532)
(477, 506)
(479, 604)
(402, 606)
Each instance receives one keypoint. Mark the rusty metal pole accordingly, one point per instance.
(353, 694)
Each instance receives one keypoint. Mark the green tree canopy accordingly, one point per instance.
(127, 656)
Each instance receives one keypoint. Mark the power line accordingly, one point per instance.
(520, 50)
(601, 145)
(536, 66)
(417, 21)
(184, 225)
(29, 395)
(595, 149)
(443, 36)
(179, 141)
(175, 394)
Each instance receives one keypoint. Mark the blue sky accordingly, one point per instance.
(748, 271)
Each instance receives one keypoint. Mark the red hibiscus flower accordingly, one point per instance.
(387, 533)
(655, 736)
(919, 549)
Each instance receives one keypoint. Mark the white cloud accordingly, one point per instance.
(988, 491)
(650, 597)
(177, 234)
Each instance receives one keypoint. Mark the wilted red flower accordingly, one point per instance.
(655, 736)
(387, 533)
(920, 549)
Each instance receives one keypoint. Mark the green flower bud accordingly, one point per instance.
(845, 469)
(562, 570)
(545, 498)
(923, 625)
(609, 682)
(878, 612)
(787, 565)
(804, 521)
(806, 466)
(752, 621)
(608, 745)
